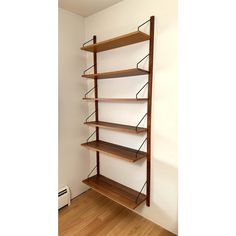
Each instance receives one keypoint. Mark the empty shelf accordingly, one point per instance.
(115, 150)
(116, 74)
(115, 191)
(119, 127)
(116, 99)
(120, 41)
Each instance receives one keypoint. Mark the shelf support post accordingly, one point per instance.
(149, 108)
(96, 103)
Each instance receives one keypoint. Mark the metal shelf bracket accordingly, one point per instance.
(141, 90)
(86, 120)
(140, 121)
(140, 147)
(88, 92)
(91, 135)
(91, 171)
(140, 192)
(89, 68)
(143, 24)
(141, 61)
(87, 42)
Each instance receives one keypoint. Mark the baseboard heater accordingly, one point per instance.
(63, 197)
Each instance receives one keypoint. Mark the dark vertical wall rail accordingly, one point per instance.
(96, 102)
(149, 108)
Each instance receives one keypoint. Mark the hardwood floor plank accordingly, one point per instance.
(92, 214)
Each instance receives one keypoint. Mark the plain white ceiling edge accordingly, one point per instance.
(70, 12)
(86, 8)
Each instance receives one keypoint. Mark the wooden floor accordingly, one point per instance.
(95, 215)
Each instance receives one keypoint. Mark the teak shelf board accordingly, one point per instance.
(115, 126)
(116, 99)
(115, 191)
(120, 41)
(115, 150)
(116, 74)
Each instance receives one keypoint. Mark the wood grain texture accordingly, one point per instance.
(117, 99)
(92, 214)
(115, 191)
(120, 41)
(118, 127)
(117, 74)
(115, 150)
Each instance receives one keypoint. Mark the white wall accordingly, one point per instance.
(73, 159)
(122, 18)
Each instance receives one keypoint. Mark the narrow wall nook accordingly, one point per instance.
(111, 189)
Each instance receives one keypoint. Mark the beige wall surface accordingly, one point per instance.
(122, 18)
(73, 159)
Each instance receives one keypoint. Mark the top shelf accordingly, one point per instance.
(120, 41)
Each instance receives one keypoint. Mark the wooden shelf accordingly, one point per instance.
(119, 127)
(116, 74)
(115, 191)
(116, 99)
(115, 150)
(120, 41)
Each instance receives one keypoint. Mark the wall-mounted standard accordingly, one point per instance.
(119, 193)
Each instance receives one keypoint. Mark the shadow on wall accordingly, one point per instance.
(164, 194)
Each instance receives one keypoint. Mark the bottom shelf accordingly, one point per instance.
(115, 191)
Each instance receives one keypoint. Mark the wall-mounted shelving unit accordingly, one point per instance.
(117, 192)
